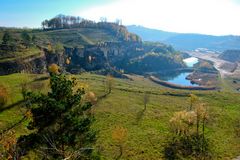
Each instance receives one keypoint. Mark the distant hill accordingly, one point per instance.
(148, 34)
(187, 41)
(230, 55)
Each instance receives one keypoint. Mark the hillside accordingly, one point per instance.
(77, 37)
(100, 47)
(230, 55)
(183, 41)
(147, 131)
(71, 37)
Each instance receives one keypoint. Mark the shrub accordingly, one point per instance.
(68, 60)
(237, 127)
(58, 48)
(3, 95)
(187, 140)
(91, 97)
(54, 68)
(182, 147)
(109, 83)
(119, 136)
(8, 147)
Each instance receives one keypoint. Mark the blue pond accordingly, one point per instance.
(181, 80)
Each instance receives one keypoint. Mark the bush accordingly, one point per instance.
(188, 135)
(181, 147)
(54, 68)
(59, 48)
(237, 127)
(3, 95)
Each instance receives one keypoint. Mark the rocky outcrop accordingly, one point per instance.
(106, 57)
(32, 64)
(28, 65)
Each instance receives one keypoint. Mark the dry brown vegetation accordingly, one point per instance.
(54, 68)
(119, 136)
(3, 95)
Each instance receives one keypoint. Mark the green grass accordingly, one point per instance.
(147, 131)
(32, 51)
(75, 37)
(232, 84)
(12, 115)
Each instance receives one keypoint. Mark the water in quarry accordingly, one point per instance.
(180, 78)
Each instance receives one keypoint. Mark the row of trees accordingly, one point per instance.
(10, 41)
(63, 21)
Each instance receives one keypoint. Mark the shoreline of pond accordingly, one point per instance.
(176, 86)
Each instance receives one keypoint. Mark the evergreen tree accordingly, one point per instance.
(61, 121)
(26, 38)
(7, 38)
(34, 38)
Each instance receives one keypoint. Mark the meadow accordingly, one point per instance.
(146, 130)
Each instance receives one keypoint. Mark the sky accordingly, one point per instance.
(214, 17)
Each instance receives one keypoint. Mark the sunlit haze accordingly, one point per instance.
(216, 17)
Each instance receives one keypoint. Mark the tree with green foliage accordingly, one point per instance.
(45, 24)
(34, 38)
(7, 38)
(26, 38)
(61, 121)
(59, 48)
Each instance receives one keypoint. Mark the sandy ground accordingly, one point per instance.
(224, 67)
(238, 158)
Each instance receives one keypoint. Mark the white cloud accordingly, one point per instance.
(217, 17)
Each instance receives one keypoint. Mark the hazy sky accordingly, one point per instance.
(218, 17)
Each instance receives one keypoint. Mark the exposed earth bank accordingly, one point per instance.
(225, 68)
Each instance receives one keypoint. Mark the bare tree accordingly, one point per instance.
(145, 100)
(109, 83)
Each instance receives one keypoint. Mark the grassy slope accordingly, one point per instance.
(13, 114)
(146, 131)
(69, 37)
(75, 37)
(28, 52)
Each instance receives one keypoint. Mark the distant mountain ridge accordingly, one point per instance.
(187, 41)
(230, 55)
